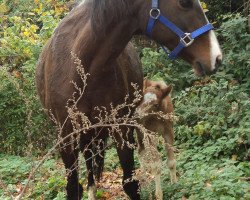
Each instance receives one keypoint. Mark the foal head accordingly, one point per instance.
(156, 96)
(204, 53)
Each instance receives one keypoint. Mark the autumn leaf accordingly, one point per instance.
(3, 9)
(204, 6)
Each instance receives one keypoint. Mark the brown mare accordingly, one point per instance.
(156, 99)
(98, 32)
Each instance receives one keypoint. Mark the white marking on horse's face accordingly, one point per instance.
(215, 51)
(92, 193)
(149, 97)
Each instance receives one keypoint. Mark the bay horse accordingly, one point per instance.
(156, 110)
(98, 32)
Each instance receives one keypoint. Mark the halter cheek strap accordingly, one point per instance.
(186, 39)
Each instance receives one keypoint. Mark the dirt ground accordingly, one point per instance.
(111, 186)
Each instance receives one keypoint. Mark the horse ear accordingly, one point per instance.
(167, 91)
(146, 83)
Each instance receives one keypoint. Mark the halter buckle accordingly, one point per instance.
(155, 13)
(187, 40)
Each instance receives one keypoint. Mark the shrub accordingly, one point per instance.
(26, 27)
(236, 46)
(23, 123)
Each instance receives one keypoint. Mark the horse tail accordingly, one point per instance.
(100, 146)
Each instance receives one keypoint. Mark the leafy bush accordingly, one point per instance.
(25, 30)
(213, 110)
(236, 46)
(217, 9)
(156, 65)
(48, 183)
(22, 120)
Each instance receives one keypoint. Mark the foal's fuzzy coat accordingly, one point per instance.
(156, 99)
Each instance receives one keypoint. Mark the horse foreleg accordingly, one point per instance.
(70, 159)
(126, 156)
(88, 155)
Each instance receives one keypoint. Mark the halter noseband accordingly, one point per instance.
(186, 39)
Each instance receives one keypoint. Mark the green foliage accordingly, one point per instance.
(214, 109)
(236, 39)
(219, 8)
(25, 123)
(201, 180)
(26, 27)
(156, 65)
(48, 183)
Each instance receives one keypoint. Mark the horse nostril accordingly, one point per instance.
(218, 61)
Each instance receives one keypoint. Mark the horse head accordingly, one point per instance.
(174, 23)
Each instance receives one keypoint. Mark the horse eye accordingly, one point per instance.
(186, 3)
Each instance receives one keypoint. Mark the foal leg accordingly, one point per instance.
(126, 156)
(140, 143)
(155, 164)
(158, 190)
(168, 136)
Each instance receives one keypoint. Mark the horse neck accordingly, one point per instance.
(99, 49)
(110, 45)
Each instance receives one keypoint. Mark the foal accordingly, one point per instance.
(156, 98)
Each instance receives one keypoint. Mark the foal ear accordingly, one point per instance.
(146, 83)
(167, 91)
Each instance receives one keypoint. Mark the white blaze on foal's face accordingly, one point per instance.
(149, 97)
(149, 103)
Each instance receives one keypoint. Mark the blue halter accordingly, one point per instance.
(186, 39)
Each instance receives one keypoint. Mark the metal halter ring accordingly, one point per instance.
(155, 13)
(187, 40)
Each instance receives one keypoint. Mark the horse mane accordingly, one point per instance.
(106, 12)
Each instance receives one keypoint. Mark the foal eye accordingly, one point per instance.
(186, 3)
(156, 105)
(157, 87)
